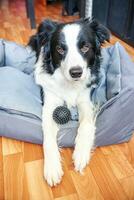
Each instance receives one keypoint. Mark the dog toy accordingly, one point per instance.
(61, 115)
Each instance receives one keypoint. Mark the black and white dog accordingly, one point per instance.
(68, 62)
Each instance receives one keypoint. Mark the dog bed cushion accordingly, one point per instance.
(20, 101)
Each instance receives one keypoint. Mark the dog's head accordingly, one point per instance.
(72, 47)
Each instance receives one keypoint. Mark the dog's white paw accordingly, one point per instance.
(83, 146)
(81, 157)
(53, 171)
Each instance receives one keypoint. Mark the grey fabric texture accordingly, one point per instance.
(18, 93)
(110, 75)
(20, 102)
(19, 57)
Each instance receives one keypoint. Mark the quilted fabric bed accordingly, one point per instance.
(21, 106)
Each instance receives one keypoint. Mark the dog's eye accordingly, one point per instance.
(85, 48)
(60, 50)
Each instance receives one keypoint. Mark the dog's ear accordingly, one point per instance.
(102, 33)
(44, 32)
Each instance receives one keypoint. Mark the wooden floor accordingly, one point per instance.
(110, 175)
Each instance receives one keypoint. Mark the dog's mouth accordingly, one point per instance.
(70, 79)
(77, 79)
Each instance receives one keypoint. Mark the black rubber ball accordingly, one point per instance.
(61, 115)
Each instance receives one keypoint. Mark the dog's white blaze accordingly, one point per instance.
(71, 32)
(73, 57)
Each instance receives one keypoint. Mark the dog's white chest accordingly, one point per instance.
(64, 90)
(58, 85)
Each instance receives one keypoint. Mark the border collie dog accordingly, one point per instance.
(68, 62)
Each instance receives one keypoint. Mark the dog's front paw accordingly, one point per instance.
(81, 157)
(53, 171)
(83, 146)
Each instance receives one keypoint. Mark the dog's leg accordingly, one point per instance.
(52, 164)
(86, 132)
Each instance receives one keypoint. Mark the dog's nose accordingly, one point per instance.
(76, 72)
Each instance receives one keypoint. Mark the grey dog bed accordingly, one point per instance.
(20, 101)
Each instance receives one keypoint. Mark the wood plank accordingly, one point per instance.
(128, 186)
(66, 187)
(119, 164)
(32, 152)
(128, 150)
(105, 179)
(37, 187)
(67, 157)
(25, 193)
(13, 176)
(106, 150)
(11, 146)
(69, 197)
(86, 186)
